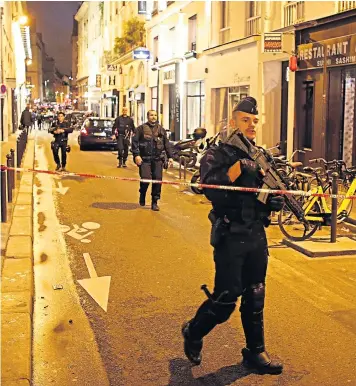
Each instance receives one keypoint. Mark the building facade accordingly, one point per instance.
(15, 49)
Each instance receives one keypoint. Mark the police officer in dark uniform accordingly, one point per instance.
(240, 246)
(122, 129)
(60, 129)
(148, 146)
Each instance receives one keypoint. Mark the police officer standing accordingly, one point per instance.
(60, 129)
(122, 129)
(240, 245)
(148, 146)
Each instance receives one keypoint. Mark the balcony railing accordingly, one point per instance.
(224, 35)
(345, 5)
(293, 13)
(253, 26)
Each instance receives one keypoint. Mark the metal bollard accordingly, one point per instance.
(334, 208)
(3, 196)
(12, 174)
(180, 167)
(9, 179)
(185, 168)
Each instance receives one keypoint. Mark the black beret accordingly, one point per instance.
(247, 105)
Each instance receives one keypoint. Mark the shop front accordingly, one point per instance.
(325, 90)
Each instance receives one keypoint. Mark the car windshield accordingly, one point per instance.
(100, 123)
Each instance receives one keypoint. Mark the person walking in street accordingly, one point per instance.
(26, 118)
(240, 245)
(122, 130)
(148, 146)
(60, 129)
(39, 121)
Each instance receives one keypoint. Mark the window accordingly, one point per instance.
(224, 10)
(192, 33)
(154, 98)
(309, 113)
(195, 105)
(155, 49)
(254, 8)
(123, 3)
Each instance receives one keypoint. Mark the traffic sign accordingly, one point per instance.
(3, 89)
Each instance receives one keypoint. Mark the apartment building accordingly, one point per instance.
(15, 50)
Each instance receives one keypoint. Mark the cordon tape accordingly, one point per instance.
(205, 186)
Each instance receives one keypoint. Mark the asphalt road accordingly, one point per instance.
(157, 262)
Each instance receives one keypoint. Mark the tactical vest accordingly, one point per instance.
(151, 141)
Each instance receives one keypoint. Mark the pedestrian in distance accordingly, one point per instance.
(39, 121)
(149, 145)
(122, 130)
(26, 118)
(240, 245)
(60, 129)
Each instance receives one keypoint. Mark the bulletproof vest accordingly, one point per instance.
(151, 141)
(63, 136)
(123, 124)
(240, 206)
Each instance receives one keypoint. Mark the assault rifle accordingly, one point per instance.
(272, 178)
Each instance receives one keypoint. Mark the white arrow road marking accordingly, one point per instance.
(61, 189)
(97, 287)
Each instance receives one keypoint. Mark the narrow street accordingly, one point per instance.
(157, 262)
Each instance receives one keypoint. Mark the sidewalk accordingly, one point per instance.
(17, 277)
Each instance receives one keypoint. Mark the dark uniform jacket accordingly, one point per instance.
(150, 141)
(124, 125)
(62, 137)
(26, 118)
(236, 206)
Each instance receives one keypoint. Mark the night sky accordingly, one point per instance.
(55, 21)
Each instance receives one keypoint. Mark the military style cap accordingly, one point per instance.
(247, 105)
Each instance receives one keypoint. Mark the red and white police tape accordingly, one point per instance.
(221, 187)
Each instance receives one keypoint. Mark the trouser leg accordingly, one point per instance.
(145, 173)
(126, 150)
(55, 151)
(252, 302)
(120, 147)
(157, 167)
(64, 154)
(229, 258)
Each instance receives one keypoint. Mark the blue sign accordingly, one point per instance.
(141, 53)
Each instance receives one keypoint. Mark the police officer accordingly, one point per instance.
(148, 146)
(240, 246)
(60, 129)
(122, 129)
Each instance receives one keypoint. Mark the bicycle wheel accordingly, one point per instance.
(292, 228)
(342, 189)
(196, 180)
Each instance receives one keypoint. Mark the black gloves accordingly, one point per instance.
(275, 203)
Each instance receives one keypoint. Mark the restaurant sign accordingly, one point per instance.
(338, 51)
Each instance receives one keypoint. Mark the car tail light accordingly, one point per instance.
(83, 131)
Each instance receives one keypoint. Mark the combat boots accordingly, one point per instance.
(154, 206)
(192, 348)
(261, 361)
(124, 164)
(120, 164)
(142, 200)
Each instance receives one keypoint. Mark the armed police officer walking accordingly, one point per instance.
(122, 129)
(60, 129)
(148, 146)
(240, 245)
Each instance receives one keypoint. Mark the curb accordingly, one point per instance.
(17, 285)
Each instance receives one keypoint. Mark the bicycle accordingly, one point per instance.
(316, 210)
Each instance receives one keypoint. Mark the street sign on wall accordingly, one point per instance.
(272, 42)
(141, 53)
(111, 67)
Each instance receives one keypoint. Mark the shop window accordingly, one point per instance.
(195, 106)
(308, 114)
(154, 98)
(192, 33)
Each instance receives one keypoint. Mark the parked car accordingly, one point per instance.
(96, 132)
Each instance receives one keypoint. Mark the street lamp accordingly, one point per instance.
(23, 20)
(29, 62)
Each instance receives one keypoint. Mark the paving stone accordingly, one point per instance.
(15, 347)
(18, 382)
(14, 302)
(21, 226)
(17, 275)
(23, 211)
(24, 188)
(19, 247)
(24, 198)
